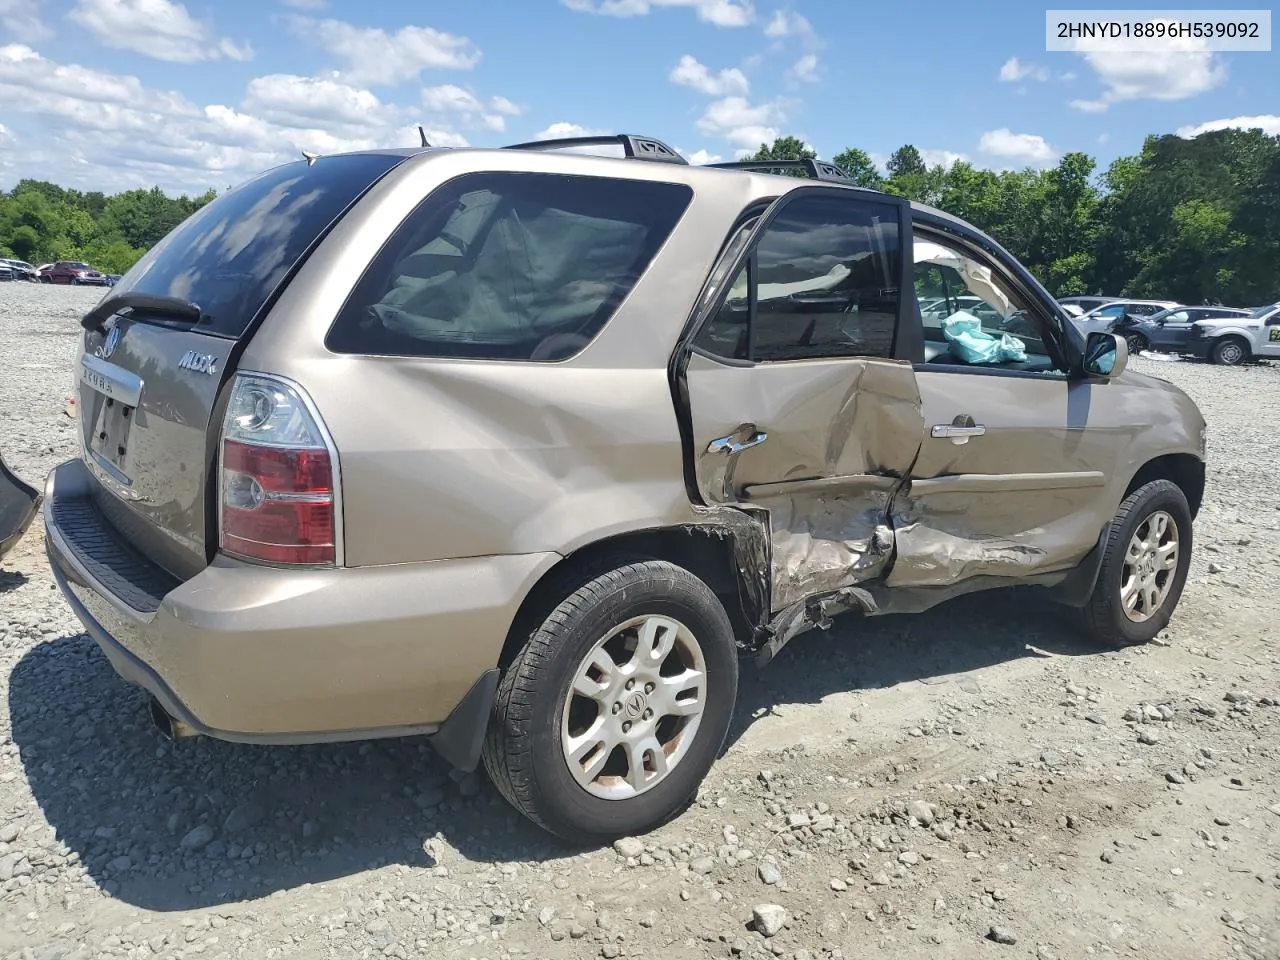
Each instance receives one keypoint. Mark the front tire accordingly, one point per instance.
(1144, 566)
(1230, 352)
(1136, 343)
(610, 716)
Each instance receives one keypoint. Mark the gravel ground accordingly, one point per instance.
(976, 781)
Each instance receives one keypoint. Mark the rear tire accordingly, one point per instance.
(1136, 343)
(566, 758)
(1144, 566)
(1230, 351)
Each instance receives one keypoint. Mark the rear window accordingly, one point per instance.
(508, 266)
(231, 254)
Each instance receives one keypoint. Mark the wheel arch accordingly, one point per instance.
(727, 550)
(1182, 469)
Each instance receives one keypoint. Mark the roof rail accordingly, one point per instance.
(816, 169)
(633, 147)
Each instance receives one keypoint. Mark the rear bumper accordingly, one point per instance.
(258, 654)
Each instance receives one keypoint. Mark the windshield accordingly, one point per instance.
(1259, 312)
(231, 255)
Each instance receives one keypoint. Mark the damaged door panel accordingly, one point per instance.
(1020, 493)
(822, 446)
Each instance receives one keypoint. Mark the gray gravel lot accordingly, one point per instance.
(976, 781)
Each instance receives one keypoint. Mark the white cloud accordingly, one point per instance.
(562, 129)
(160, 29)
(786, 23)
(1104, 137)
(306, 4)
(452, 99)
(21, 19)
(742, 123)
(1027, 148)
(1267, 122)
(806, 68)
(1014, 71)
(105, 131)
(721, 13)
(941, 158)
(373, 56)
(699, 157)
(294, 100)
(690, 73)
(1067, 76)
(1186, 70)
(504, 106)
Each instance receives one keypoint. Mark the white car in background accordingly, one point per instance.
(1102, 319)
(1231, 341)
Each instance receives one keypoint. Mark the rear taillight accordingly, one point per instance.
(279, 485)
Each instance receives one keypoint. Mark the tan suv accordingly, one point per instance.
(519, 449)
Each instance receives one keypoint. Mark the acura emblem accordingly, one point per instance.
(109, 345)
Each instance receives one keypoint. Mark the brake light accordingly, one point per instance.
(279, 491)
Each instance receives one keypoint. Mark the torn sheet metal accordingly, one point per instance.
(840, 436)
(749, 536)
(929, 557)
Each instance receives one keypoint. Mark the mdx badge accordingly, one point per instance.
(199, 362)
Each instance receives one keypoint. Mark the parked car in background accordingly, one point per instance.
(7, 272)
(73, 272)
(1168, 330)
(1085, 304)
(1103, 319)
(1234, 340)
(603, 442)
(20, 268)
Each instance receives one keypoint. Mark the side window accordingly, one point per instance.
(508, 266)
(1181, 316)
(963, 299)
(821, 282)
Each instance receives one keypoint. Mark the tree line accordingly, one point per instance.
(1192, 220)
(1184, 219)
(41, 222)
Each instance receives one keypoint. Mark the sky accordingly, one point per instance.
(116, 94)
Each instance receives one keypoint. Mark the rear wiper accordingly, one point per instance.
(156, 303)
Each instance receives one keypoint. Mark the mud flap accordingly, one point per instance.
(18, 505)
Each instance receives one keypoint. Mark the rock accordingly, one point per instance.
(1151, 713)
(1097, 718)
(768, 872)
(881, 879)
(703, 865)
(197, 838)
(1002, 935)
(1148, 737)
(797, 820)
(242, 817)
(8, 866)
(909, 857)
(1052, 758)
(628, 847)
(1175, 777)
(824, 823)
(838, 885)
(769, 919)
(921, 812)
(9, 833)
(546, 915)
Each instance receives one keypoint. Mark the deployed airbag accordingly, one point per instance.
(971, 344)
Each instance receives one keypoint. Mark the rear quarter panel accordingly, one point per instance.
(445, 458)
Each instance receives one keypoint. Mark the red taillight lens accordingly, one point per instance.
(279, 498)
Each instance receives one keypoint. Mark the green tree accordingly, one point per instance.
(859, 166)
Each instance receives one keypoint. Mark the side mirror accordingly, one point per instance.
(1105, 355)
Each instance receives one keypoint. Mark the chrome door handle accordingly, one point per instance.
(956, 433)
(731, 444)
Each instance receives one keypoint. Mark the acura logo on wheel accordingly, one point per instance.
(109, 345)
(635, 704)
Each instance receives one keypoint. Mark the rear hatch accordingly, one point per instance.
(161, 344)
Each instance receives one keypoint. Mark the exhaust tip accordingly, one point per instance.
(170, 727)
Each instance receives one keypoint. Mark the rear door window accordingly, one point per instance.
(230, 256)
(508, 266)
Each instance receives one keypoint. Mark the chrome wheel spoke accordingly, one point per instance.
(1168, 556)
(655, 640)
(1149, 564)
(597, 676)
(588, 753)
(681, 696)
(645, 759)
